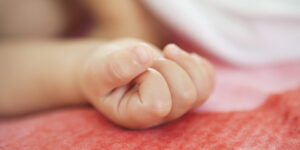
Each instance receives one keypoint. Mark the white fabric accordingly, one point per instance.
(243, 32)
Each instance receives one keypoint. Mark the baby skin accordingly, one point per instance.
(132, 83)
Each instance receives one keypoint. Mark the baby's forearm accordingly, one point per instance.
(127, 80)
(37, 75)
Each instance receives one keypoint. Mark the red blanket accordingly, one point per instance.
(235, 117)
(274, 125)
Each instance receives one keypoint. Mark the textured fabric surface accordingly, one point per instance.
(247, 88)
(274, 125)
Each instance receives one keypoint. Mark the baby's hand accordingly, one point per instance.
(135, 87)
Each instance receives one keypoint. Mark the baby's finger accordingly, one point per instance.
(181, 87)
(199, 71)
(144, 105)
(115, 67)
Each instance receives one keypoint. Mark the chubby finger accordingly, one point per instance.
(144, 104)
(199, 71)
(182, 89)
(113, 66)
(208, 65)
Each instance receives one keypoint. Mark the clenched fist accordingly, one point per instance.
(136, 86)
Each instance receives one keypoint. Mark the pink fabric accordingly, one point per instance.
(274, 125)
(247, 88)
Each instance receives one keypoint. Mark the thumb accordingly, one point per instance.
(111, 67)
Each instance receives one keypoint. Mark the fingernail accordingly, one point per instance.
(174, 50)
(142, 54)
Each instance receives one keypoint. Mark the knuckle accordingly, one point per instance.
(206, 83)
(203, 94)
(159, 109)
(117, 71)
(210, 72)
(188, 97)
(159, 63)
(212, 81)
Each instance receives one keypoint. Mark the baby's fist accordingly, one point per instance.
(130, 85)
